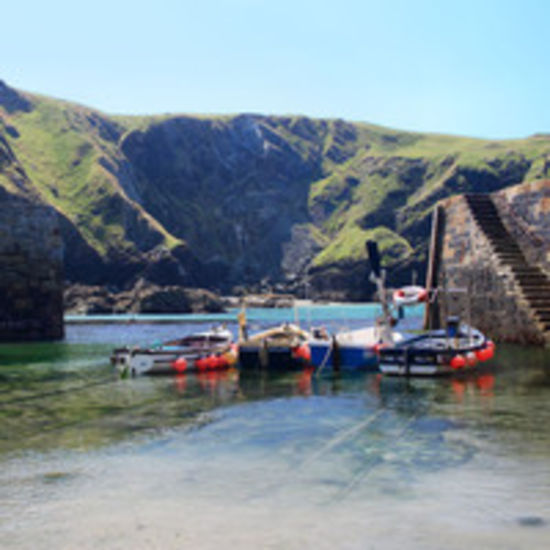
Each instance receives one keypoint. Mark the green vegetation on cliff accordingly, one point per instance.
(232, 199)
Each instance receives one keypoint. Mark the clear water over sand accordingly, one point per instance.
(268, 461)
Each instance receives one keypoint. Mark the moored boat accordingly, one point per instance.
(281, 347)
(207, 350)
(457, 348)
(351, 349)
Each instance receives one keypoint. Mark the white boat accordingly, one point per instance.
(207, 350)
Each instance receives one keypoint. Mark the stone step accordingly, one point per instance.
(534, 288)
(510, 252)
(533, 283)
(531, 295)
(530, 275)
(537, 287)
(507, 248)
(512, 258)
(529, 270)
(510, 262)
(501, 240)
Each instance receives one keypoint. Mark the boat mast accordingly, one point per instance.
(378, 276)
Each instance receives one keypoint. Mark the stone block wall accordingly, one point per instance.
(31, 272)
(525, 211)
(491, 296)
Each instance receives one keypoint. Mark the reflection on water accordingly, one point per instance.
(260, 460)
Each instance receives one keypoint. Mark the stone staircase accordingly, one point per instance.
(530, 279)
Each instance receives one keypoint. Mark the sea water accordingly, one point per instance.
(260, 460)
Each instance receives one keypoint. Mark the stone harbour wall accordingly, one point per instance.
(525, 211)
(491, 296)
(31, 272)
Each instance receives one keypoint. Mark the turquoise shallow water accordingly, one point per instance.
(263, 461)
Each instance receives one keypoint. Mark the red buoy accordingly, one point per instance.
(201, 363)
(458, 362)
(484, 354)
(212, 361)
(180, 364)
(302, 352)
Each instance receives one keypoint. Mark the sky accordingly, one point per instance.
(470, 67)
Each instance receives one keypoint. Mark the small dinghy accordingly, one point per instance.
(209, 350)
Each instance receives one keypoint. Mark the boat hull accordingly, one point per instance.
(324, 355)
(433, 354)
(275, 357)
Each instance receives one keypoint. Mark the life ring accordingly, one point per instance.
(409, 295)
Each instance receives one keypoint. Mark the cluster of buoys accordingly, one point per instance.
(302, 352)
(471, 358)
(208, 362)
(409, 295)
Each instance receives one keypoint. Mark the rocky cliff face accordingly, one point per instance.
(248, 200)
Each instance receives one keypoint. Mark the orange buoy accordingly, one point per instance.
(180, 364)
(458, 362)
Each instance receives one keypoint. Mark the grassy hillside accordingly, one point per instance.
(238, 191)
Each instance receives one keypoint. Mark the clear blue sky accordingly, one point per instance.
(473, 67)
